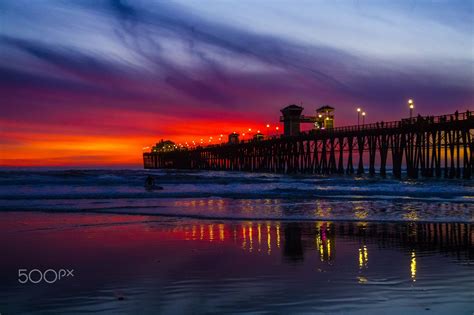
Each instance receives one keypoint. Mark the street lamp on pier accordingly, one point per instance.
(363, 118)
(358, 116)
(411, 105)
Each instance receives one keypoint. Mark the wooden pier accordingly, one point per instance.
(441, 146)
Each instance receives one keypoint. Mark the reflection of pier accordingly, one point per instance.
(294, 238)
(450, 238)
(426, 146)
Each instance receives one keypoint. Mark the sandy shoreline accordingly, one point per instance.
(126, 263)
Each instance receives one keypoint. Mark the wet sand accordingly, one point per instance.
(150, 265)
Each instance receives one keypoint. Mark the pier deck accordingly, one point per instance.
(441, 146)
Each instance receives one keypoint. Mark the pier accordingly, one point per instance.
(432, 146)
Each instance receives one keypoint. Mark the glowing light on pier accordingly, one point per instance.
(411, 105)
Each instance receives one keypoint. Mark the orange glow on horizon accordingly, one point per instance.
(33, 145)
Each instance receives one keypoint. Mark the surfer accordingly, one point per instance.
(150, 184)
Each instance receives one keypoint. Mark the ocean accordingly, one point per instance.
(234, 243)
(234, 195)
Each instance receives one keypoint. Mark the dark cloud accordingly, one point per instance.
(293, 71)
(140, 28)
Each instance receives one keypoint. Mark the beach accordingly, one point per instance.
(234, 243)
(149, 265)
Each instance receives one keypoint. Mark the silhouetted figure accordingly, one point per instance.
(150, 184)
(456, 114)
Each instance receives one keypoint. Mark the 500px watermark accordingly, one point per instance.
(48, 276)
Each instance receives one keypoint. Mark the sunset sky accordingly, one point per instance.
(90, 83)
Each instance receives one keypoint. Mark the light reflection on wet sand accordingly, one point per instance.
(173, 265)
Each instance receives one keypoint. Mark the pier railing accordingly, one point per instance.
(399, 123)
(396, 124)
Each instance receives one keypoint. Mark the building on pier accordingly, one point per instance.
(325, 117)
(291, 120)
(258, 136)
(164, 146)
(234, 138)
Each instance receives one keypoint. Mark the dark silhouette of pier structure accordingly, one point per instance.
(433, 146)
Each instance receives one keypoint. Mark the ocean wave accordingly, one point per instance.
(289, 194)
(137, 177)
(239, 195)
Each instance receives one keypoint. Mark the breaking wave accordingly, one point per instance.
(234, 195)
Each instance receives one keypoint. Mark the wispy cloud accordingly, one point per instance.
(76, 64)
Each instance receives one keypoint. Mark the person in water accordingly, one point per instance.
(150, 183)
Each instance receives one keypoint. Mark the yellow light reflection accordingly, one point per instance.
(328, 246)
(278, 235)
(269, 240)
(362, 279)
(360, 213)
(250, 238)
(201, 232)
(413, 266)
(211, 232)
(259, 236)
(244, 237)
(319, 246)
(411, 216)
(221, 232)
(366, 255)
(363, 257)
(194, 232)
